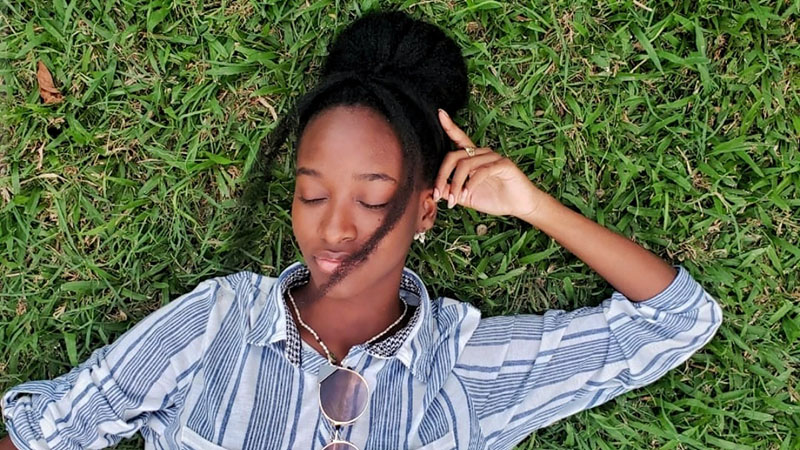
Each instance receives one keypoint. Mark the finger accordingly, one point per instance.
(446, 169)
(448, 164)
(463, 169)
(445, 192)
(456, 134)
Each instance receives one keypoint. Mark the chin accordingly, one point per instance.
(345, 288)
(354, 282)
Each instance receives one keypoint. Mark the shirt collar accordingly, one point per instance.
(411, 344)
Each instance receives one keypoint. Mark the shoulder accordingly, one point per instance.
(448, 313)
(246, 281)
(453, 324)
(242, 289)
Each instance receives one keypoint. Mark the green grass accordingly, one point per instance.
(674, 123)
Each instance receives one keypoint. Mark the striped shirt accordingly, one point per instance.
(223, 367)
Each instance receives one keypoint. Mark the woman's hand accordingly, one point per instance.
(487, 182)
(493, 184)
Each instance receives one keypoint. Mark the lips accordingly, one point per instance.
(329, 261)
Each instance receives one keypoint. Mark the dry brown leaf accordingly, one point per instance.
(47, 89)
(269, 107)
(22, 307)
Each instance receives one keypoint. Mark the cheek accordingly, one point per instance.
(300, 221)
(401, 235)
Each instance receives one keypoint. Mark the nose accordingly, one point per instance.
(337, 224)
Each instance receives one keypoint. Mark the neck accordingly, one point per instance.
(343, 321)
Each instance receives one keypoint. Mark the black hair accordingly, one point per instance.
(403, 68)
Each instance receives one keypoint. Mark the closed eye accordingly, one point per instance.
(366, 205)
(382, 205)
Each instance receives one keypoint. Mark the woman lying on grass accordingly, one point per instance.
(348, 351)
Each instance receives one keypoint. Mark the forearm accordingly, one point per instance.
(5, 444)
(635, 272)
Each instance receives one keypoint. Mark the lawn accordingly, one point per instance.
(675, 123)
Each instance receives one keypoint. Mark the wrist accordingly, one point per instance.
(542, 205)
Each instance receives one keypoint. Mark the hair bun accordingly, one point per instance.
(394, 45)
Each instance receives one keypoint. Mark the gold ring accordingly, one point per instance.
(470, 151)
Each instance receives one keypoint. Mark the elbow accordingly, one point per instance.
(673, 337)
(707, 320)
(716, 312)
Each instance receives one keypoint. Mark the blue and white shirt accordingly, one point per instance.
(223, 367)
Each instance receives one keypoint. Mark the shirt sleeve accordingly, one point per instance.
(525, 372)
(123, 386)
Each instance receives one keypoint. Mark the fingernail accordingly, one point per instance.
(451, 201)
(464, 196)
(436, 194)
(444, 112)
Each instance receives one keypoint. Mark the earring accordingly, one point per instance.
(420, 237)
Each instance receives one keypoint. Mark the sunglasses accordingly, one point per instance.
(343, 397)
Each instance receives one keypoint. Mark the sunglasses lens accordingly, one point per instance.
(343, 397)
(340, 446)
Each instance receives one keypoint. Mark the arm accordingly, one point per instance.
(5, 444)
(117, 390)
(527, 371)
(635, 272)
(493, 184)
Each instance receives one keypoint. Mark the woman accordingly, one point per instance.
(347, 350)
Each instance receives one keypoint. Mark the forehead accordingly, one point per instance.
(348, 139)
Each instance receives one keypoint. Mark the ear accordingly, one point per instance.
(427, 210)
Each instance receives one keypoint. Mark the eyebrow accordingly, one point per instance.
(379, 176)
(375, 177)
(307, 171)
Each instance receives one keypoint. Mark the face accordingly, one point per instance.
(349, 164)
